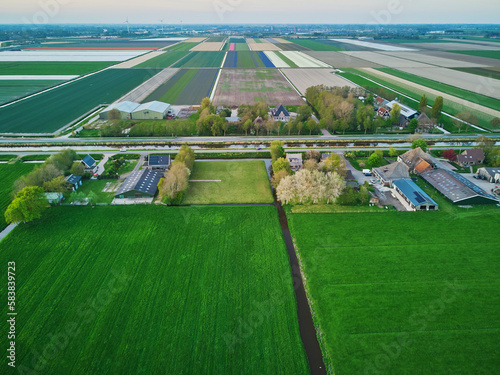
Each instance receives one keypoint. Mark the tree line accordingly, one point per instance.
(173, 186)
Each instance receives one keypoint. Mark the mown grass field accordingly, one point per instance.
(404, 293)
(10, 173)
(52, 67)
(52, 110)
(164, 60)
(316, 45)
(13, 89)
(201, 59)
(188, 86)
(123, 293)
(244, 181)
(489, 54)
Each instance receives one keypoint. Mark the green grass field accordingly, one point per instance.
(243, 181)
(201, 60)
(183, 46)
(10, 173)
(52, 67)
(120, 292)
(404, 293)
(489, 54)
(13, 89)
(52, 110)
(316, 45)
(96, 187)
(164, 60)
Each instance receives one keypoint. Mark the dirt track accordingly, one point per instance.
(147, 88)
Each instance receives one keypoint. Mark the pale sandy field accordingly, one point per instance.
(208, 46)
(263, 47)
(435, 60)
(304, 78)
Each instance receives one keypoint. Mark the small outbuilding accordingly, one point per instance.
(151, 111)
(75, 181)
(54, 198)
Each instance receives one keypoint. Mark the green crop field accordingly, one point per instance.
(447, 89)
(13, 89)
(10, 173)
(52, 110)
(201, 60)
(316, 45)
(164, 60)
(114, 290)
(183, 46)
(52, 67)
(489, 54)
(188, 86)
(243, 181)
(404, 292)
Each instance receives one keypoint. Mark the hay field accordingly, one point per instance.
(434, 60)
(304, 78)
(248, 86)
(208, 46)
(342, 60)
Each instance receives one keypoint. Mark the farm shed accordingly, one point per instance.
(392, 172)
(125, 108)
(406, 111)
(470, 157)
(295, 161)
(413, 196)
(154, 110)
(158, 162)
(90, 164)
(140, 184)
(413, 157)
(490, 174)
(75, 181)
(457, 188)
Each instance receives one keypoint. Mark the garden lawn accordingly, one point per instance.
(126, 294)
(50, 111)
(10, 173)
(95, 186)
(52, 67)
(244, 181)
(404, 292)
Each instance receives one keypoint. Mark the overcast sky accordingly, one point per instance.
(250, 11)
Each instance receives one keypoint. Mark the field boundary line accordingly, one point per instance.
(216, 83)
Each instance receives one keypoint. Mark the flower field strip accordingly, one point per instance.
(287, 60)
(399, 304)
(183, 46)
(291, 47)
(10, 173)
(267, 63)
(52, 67)
(70, 56)
(232, 46)
(215, 295)
(316, 45)
(303, 60)
(277, 61)
(50, 111)
(247, 59)
(201, 60)
(164, 60)
(14, 89)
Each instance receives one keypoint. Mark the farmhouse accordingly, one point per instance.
(140, 184)
(74, 180)
(390, 173)
(424, 123)
(384, 113)
(457, 188)
(490, 174)
(470, 157)
(411, 195)
(90, 164)
(280, 114)
(158, 162)
(151, 111)
(125, 108)
(413, 157)
(295, 161)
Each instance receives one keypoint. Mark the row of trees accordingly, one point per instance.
(50, 175)
(175, 184)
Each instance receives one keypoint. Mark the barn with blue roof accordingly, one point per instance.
(414, 196)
